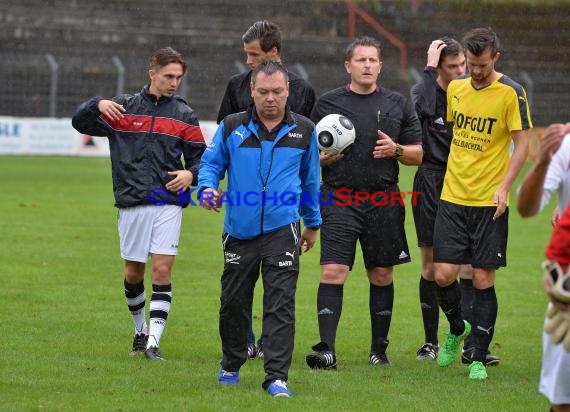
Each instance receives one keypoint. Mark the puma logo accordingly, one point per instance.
(487, 331)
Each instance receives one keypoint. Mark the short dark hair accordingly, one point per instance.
(269, 67)
(452, 48)
(165, 56)
(268, 34)
(480, 39)
(362, 41)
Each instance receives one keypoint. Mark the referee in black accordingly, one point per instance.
(387, 133)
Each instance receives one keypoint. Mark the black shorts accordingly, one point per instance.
(468, 234)
(378, 228)
(428, 183)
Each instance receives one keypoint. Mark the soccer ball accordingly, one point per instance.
(335, 133)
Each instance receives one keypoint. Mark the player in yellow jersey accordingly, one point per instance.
(489, 111)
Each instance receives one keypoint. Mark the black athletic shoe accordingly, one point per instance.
(321, 357)
(139, 344)
(467, 355)
(260, 353)
(153, 353)
(427, 352)
(251, 350)
(381, 359)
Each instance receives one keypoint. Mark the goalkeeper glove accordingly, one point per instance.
(558, 326)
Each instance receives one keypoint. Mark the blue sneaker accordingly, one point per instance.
(279, 388)
(228, 378)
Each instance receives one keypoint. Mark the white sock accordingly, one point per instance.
(159, 309)
(139, 319)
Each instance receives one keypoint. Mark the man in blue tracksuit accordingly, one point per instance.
(271, 157)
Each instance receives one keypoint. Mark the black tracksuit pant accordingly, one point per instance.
(277, 253)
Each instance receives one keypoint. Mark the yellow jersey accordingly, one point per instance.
(483, 120)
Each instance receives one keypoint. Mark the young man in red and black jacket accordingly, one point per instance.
(149, 134)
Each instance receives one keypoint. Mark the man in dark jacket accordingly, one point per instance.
(149, 133)
(272, 160)
(262, 41)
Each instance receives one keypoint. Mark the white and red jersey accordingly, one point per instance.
(559, 247)
(558, 177)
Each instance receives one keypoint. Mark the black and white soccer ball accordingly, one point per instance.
(335, 133)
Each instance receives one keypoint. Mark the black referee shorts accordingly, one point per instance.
(468, 234)
(378, 228)
(428, 183)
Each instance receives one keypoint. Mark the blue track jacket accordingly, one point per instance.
(270, 183)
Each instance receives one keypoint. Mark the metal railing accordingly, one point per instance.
(354, 10)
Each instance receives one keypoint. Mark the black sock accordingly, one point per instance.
(467, 296)
(430, 309)
(485, 308)
(381, 304)
(329, 308)
(136, 300)
(250, 333)
(449, 298)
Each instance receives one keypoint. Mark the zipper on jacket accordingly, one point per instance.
(153, 118)
(264, 188)
(262, 208)
(148, 141)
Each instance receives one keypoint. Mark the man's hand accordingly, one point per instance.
(181, 182)
(308, 239)
(500, 199)
(110, 109)
(434, 52)
(210, 199)
(328, 159)
(385, 146)
(555, 217)
(551, 140)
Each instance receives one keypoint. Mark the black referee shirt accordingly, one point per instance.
(358, 169)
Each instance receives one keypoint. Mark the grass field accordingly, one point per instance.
(67, 332)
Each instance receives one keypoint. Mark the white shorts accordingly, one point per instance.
(555, 372)
(149, 229)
